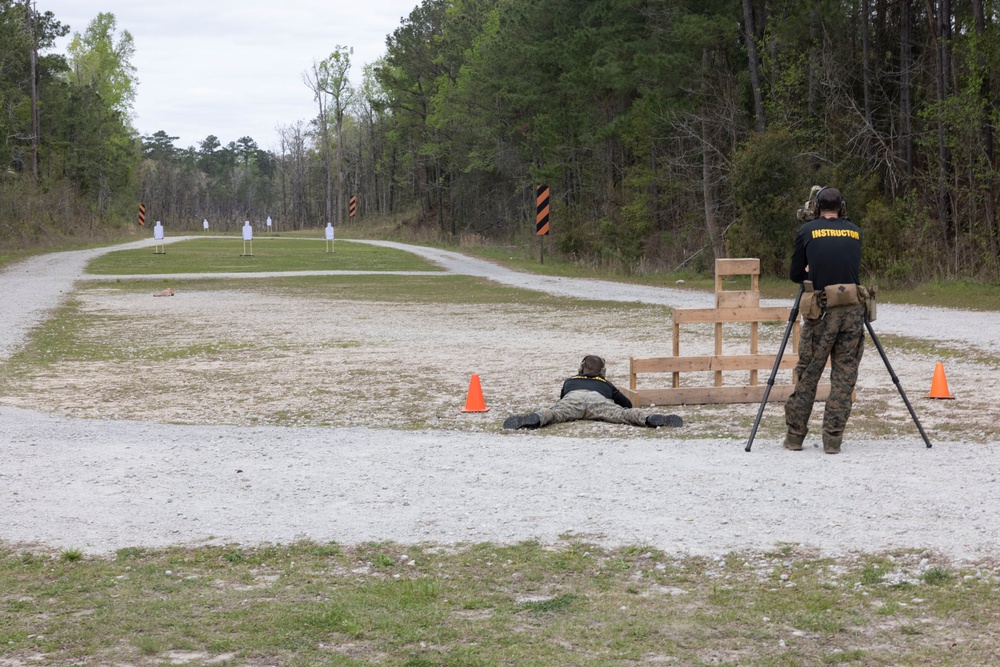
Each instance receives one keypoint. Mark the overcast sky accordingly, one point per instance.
(230, 68)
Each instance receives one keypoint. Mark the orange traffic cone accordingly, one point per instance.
(475, 402)
(939, 385)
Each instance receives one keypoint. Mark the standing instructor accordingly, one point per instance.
(828, 254)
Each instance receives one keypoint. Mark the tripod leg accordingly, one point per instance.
(774, 371)
(895, 381)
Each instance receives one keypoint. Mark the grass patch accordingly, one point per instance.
(217, 255)
(969, 296)
(936, 576)
(445, 290)
(486, 604)
(69, 335)
(380, 288)
(936, 349)
(71, 555)
(560, 603)
(872, 574)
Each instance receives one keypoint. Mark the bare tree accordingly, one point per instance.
(984, 86)
(943, 33)
(329, 83)
(294, 171)
(866, 72)
(369, 103)
(750, 34)
(707, 164)
(316, 81)
(905, 150)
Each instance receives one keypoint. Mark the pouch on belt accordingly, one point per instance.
(868, 299)
(809, 302)
(842, 294)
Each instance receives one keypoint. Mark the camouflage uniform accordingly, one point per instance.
(584, 404)
(827, 254)
(588, 395)
(840, 336)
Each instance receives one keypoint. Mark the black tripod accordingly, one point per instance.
(781, 351)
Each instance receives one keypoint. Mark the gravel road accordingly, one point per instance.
(100, 485)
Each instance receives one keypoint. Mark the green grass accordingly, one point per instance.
(965, 295)
(488, 604)
(215, 255)
(427, 289)
(64, 337)
(942, 350)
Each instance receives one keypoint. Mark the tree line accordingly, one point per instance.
(669, 131)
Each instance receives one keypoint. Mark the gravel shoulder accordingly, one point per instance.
(116, 479)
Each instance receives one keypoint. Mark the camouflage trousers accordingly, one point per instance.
(839, 336)
(583, 404)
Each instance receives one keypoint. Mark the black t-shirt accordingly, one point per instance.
(598, 384)
(831, 248)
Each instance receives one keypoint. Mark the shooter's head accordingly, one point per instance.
(592, 366)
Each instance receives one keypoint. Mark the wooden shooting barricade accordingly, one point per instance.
(731, 307)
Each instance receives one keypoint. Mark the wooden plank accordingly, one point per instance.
(675, 381)
(737, 299)
(707, 363)
(714, 395)
(742, 266)
(718, 352)
(723, 315)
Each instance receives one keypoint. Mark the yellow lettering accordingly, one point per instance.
(850, 233)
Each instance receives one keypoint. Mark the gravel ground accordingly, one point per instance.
(102, 484)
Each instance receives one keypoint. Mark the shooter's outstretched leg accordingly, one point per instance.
(777, 362)
(895, 381)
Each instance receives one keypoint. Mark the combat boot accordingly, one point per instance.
(831, 443)
(656, 421)
(530, 420)
(794, 442)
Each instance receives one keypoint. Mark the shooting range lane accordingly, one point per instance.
(101, 485)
